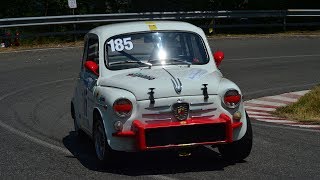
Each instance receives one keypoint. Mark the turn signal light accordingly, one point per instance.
(118, 126)
(232, 99)
(237, 116)
(122, 107)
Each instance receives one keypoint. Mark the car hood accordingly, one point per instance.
(167, 82)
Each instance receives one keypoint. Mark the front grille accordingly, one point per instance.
(185, 134)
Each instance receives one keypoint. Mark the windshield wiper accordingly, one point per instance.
(180, 60)
(172, 59)
(131, 61)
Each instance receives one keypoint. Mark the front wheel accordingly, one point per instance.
(102, 149)
(238, 150)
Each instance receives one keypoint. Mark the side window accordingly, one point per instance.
(84, 56)
(91, 52)
(199, 53)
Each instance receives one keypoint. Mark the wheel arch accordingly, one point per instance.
(96, 115)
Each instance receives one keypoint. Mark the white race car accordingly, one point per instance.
(156, 85)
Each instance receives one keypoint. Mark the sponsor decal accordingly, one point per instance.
(120, 44)
(140, 75)
(152, 26)
(196, 74)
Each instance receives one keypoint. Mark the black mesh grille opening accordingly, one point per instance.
(185, 134)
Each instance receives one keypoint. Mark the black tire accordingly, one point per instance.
(78, 132)
(72, 111)
(102, 149)
(238, 150)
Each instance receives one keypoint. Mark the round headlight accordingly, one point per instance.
(122, 107)
(232, 99)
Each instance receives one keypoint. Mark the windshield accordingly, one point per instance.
(155, 48)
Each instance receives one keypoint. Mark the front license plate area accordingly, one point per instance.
(187, 134)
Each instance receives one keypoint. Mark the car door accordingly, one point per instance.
(80, 102)
(89, 80)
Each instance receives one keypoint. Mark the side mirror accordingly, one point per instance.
(92, 67)
(218, 57)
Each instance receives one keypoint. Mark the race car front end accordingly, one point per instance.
(181, 122)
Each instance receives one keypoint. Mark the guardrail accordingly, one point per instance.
(303, 13)
(213, 20)
(93, 18)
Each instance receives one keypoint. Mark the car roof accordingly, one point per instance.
(142, 26)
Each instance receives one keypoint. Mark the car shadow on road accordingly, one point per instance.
(147, 163)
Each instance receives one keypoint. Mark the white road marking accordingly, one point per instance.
(282, 98)
(274, 57)
(255, 123)
(258, 113)
(268, 100)
(264, 117)
(277, 121)
(306, 125)
(269, 103)
(27, 136)
(281, 88)
(260, 108)
(35, 140)
(301, 93)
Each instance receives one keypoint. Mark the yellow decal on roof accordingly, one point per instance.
(152, 26)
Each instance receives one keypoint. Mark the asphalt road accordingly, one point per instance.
(36, 131)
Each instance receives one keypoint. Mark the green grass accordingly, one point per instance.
(306, 109)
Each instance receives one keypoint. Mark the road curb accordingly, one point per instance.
(260, 109)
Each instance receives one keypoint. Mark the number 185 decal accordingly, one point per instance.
(121, 44)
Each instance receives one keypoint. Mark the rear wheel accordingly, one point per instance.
(78, 132)
(238, 150)
(102, 149)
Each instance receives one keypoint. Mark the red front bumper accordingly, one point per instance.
(161, 135)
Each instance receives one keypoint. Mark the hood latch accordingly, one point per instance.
(205, 92)
(151, 97)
